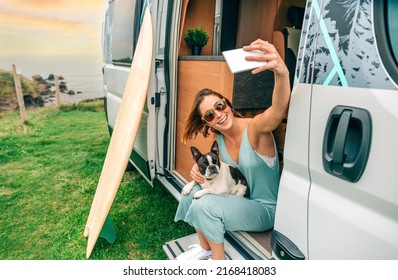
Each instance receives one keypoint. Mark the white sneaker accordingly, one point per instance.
(195, 252)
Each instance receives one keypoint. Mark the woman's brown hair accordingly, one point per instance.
(194, 124)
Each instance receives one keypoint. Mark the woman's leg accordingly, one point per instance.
(212, 215)
(203, 242)
(183, 208)
(217, 250)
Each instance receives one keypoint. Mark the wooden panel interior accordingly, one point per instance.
(256, 21)
(279, 43)
(184, 8)
(198, 13)
(192, 77)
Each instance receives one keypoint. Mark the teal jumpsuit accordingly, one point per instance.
(214, 214)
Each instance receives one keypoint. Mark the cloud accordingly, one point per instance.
(70, 25)
(48, 4)
(28, 22)
(40, 3)
(89, 11)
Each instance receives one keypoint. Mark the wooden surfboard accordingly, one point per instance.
(124, 133)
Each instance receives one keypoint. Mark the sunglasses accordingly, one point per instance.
(219, 106)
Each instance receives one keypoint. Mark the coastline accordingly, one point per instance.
(82, 73)
(37, 92)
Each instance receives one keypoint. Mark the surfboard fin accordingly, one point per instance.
(108, 231)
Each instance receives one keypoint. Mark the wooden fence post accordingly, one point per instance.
(18, 90)
(57, 90)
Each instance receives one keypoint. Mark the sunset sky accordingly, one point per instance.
(50, 27)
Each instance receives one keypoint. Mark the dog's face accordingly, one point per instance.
(209, 164)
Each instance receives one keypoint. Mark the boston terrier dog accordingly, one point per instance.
(220, 178)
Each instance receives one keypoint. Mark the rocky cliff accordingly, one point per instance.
(37, 92)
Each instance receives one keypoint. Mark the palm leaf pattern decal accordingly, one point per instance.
(343, 13)
(305, 52)
(348, 37)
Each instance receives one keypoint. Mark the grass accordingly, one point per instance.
(49, 170)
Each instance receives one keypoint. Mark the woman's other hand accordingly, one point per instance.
(195, 174)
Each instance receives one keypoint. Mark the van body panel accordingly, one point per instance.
(120, 34)
(292, 208)
(361, 215)
(291, 212)
(115, 78)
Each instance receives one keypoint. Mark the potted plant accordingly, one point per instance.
(196, 38)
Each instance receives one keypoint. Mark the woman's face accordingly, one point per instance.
(223, 117)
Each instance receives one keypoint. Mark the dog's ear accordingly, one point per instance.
(214, 148)
(195, 153)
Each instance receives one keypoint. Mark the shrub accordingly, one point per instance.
(196, 37)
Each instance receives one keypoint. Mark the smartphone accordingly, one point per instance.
(236, 60)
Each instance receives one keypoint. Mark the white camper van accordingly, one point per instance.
(338, 194)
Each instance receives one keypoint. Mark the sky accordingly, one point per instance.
(51, 27)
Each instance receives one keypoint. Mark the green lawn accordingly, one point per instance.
(49, 169)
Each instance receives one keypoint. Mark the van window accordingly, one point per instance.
(386, 33)
(392, 22)
(123, 31)
(106, 39)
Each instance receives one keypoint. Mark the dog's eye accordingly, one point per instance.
(202, 170)
(215, 160)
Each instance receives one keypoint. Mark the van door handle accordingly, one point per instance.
(340, 139)
(346, 143)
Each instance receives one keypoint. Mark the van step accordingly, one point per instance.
(176, 247)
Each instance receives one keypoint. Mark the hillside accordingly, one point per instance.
(8, 99)
(37, 92)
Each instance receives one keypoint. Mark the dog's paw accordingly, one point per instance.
(186, 191)
(198, 194)
(188, 188)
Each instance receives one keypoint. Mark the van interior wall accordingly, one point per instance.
(197, 13)
(256, 21)
(194, 75)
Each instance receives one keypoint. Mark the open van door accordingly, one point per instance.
(289, 237)
(338, 197)
(121, 30)
(352, 209)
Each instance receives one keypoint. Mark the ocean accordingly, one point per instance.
(81, 73)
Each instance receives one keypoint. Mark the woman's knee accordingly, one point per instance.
(204, 204)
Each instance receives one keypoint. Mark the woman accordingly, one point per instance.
(245, 143)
